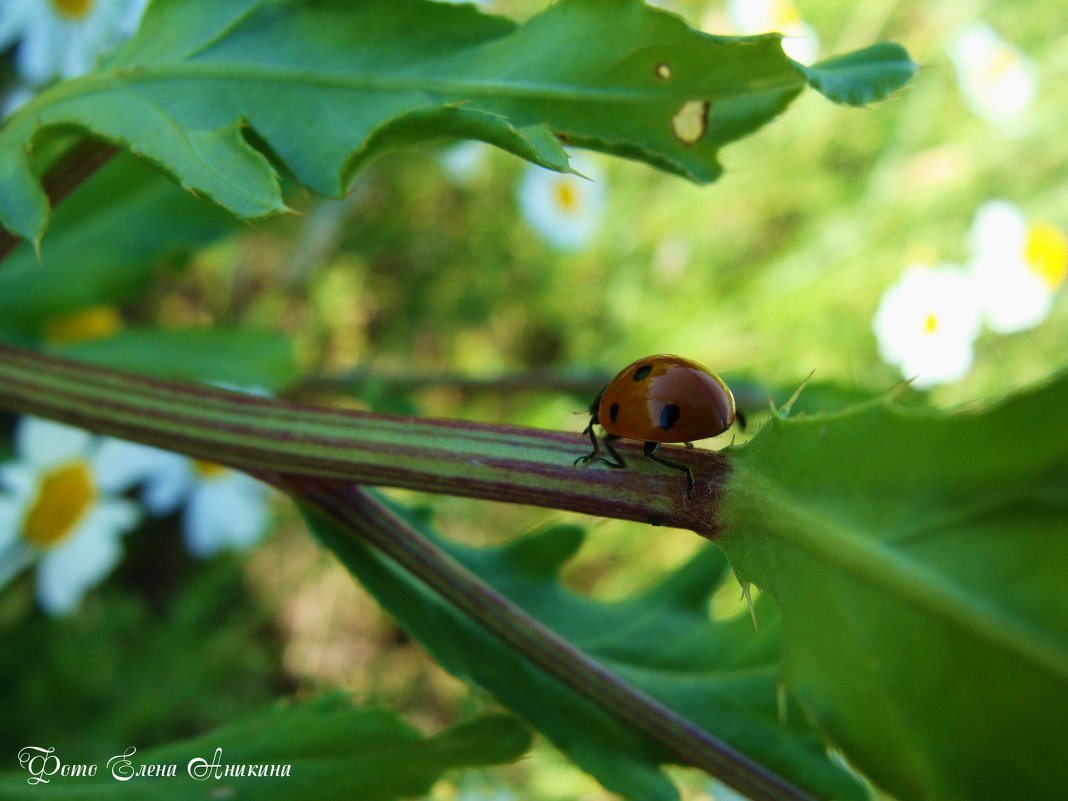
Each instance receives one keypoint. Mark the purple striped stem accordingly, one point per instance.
(512, 464)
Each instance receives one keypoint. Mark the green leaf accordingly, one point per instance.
(323, 87)
(862, 76)
(333, 750)
(238, 357)
(721, 675)
(918, 558)
(108, 235)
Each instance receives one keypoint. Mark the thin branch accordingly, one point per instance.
(66, 175)
(359, 514)
(512, 464)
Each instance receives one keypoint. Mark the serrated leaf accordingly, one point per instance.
(918, 558)
(325, 86)
(334, 751)
(235, 356)
(862, 76)
(721, 675)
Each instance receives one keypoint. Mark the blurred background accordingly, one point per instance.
(919, 239)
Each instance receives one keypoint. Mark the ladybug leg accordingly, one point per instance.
(688, 445)
(593, 440)
(650, 452)
(608, 439)
(739, 415)
(592, 455)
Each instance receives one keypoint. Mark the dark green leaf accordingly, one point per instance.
(721, 675)
(862, 76)
(334, 751)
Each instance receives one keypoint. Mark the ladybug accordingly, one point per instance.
(660, 399)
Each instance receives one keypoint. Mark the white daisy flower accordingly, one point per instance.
(1017, 267)
(926, 324)
(64, 38)
(224, 509)
(563, 208)
(800, 40)
(997, 82)
(59, 509)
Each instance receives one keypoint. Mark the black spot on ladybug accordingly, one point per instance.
(669, 415)
(642, 372)
(613, 412)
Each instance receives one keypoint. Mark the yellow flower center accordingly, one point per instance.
(64, 497)
(208, 470)
(97, 322)
(567, 196)
(73, 9)
(1047, 253)
(930, 324)
(785, 15)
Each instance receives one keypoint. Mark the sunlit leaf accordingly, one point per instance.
(214, 90)
(918, 558)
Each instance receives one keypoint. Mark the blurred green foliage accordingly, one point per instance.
(170, 649)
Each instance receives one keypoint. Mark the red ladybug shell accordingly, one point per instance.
(665, 399)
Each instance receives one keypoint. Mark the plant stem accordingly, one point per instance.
(496, 462)
(357, 513)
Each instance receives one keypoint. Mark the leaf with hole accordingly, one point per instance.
(219, 92)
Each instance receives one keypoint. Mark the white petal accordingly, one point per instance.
(169, 489)
(999, 228)
(131, 17)
(118, 515)
(1013, 298)
(751, 16)
(997, 81)
(945, 363)
(13, 560)
(801, 43)
(229, 513)
(37, 57)
(19, 479)
(84, 560)
(45, 443)
(119, 465)
(78, 55)
(13, 15)
(10, 521)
